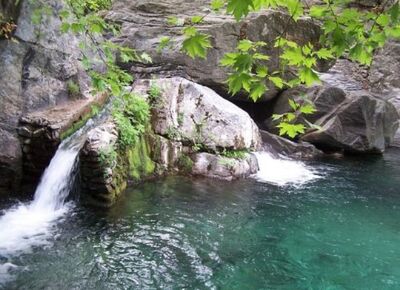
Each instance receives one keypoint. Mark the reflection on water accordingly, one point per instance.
(337, 232)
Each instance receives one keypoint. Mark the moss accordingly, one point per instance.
(140, 163)
(76, 126)
(235, 154)
(185, 163)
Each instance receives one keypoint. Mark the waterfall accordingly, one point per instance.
(28, 225)
(283, 171)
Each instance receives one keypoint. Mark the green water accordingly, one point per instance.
(339, 232)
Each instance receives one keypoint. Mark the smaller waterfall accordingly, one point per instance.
(29, 225)
(282, 171)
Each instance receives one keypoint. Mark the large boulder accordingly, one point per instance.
(324, 98)
(193, 114)
(145, 23)
(361, 124)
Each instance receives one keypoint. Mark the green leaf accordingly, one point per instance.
(196, 45)
(196, 19)
(260, 56)
(307, 109)
(239, 8)
(175, 21)
(262, 71)
(258, 89)
(217, 5)
(243, 62)
(229, 59)
(324, 53)
(308, 76)
(146, 58)
(277, 81)
(65, 27)
(293, 105)
(245, 45)
(165, 41)
(291, 130)
(238, 81)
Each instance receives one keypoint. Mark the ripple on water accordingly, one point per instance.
(337, 232)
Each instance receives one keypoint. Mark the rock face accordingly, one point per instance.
(100, 182)
(144, 23)
(324, 98)
(42, 131)
(37, 68)
(106, 168)
(360, 124)
(384, 78)
(193, 114)
(10, 162)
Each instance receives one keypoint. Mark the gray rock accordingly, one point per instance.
(361, 124)
(213, 166)
(144, 23)
(324, 98)
(282, 146)
(384, 79)
(10, 162)
(35, 67)
(196, 115)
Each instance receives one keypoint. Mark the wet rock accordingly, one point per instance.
(361, 124)
(106, 168)
(98, 162)
(213, 166)
(144, 24)
(42, 131)
(281, 146)
(193, 114)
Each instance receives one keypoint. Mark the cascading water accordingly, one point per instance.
(282, 171)
(29, 225)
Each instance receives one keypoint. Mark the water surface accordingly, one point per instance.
(341, 231)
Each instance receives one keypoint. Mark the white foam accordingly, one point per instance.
(5, 272)
(31, 224)
(283, 171)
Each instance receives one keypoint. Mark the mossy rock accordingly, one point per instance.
(140, 163)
